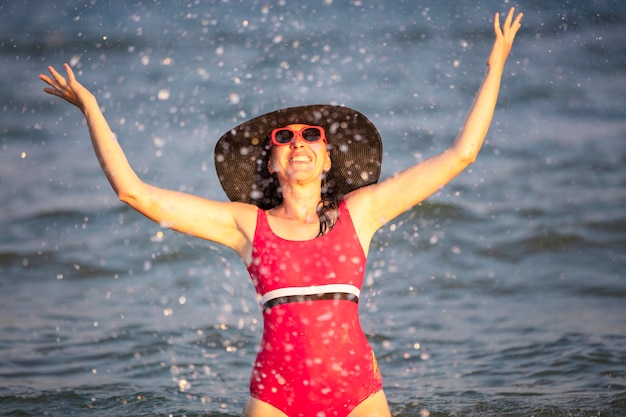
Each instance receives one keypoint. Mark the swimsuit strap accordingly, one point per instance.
(313, 293)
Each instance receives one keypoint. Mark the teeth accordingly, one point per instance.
(301, 158)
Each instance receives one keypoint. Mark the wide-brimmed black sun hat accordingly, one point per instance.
(242, 154)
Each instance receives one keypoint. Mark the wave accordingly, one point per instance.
(115, 399)
(123, 399)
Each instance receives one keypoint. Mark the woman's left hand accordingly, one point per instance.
(505, 36)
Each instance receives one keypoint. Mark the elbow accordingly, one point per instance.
(470, 159)
(462, 156)
(125, 197)
(128, 195)
(467, 158)
(129, 190)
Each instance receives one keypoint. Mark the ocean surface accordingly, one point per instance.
(502, 295)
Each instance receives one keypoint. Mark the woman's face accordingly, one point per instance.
(299, 161)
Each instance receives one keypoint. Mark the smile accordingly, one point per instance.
(300, 158)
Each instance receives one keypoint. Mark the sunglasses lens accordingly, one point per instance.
(283, 136)
(311, 134)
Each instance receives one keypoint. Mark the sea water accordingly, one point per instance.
(502, 295)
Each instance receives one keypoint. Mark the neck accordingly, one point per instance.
(300, 204)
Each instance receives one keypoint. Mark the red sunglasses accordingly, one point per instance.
(286, 135)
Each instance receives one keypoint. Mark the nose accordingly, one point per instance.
(298, 141)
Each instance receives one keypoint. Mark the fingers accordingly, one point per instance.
(496, 24)
(52, 91)
(53, 82)
(45, 79)
(57, 81)
(70, 73)
(510, 25)
(57, 77)
(509, 17)
(517, 24)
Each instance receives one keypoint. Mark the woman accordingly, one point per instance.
(301, 219)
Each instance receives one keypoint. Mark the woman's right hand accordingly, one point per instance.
(230, 224)
(68, 89)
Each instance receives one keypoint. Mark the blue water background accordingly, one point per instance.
(502, 295)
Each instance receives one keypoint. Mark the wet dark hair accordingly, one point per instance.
(270, 194)
(328, 209)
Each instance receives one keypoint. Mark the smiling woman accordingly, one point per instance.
(352, 139)
(302, 160)
(302, 214)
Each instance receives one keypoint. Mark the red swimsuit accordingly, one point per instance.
(314, 359)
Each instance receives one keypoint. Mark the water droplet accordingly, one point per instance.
(163, 94)
(183, 384)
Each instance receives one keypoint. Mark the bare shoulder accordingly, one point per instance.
(358, 203)
(361, 203)
(245, 216)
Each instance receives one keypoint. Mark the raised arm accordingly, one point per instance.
(230, 224)
(379, 203)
